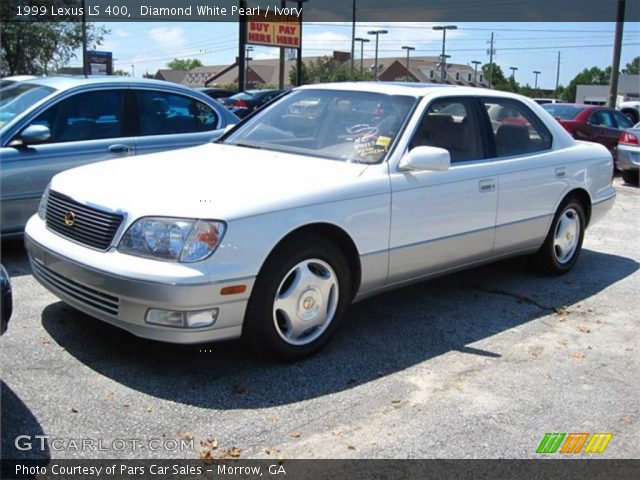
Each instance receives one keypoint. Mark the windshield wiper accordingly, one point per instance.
(247, 145)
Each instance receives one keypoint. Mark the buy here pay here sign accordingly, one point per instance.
(274, 30)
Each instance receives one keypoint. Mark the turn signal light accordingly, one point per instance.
(628, 139)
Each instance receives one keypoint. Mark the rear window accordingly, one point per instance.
(242, 96)
(565, 112)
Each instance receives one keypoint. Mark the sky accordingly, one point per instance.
(528, 46)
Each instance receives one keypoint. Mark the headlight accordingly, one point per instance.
(42, 207)
(172, 239)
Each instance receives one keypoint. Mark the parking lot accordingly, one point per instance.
(481, 363)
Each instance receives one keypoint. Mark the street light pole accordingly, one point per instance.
(536, 73)
(377, 33)
(353, 37)
(475, 70)
(513, 72)
(408, 49)
(362, 42)
(246, 66)
(444, 29)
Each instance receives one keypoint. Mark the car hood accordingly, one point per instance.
(212, 181)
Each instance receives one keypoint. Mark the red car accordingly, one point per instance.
(591, 122)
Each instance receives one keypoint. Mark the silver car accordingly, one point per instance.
(628, 155)
(48, 125)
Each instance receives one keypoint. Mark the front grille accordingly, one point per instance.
(90, 226)
(83, 294)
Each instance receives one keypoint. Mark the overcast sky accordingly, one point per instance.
(528, 46)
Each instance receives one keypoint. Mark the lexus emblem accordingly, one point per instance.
(69, 219)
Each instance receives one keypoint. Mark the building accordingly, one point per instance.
(628, 89)
(175, 76)
(267, 72)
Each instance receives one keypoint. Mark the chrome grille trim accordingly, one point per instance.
(93, 228)
(88, 296)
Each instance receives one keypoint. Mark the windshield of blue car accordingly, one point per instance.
(564, 112)
(334, 124)
(19, 97)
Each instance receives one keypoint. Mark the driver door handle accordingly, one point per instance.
(120, 148)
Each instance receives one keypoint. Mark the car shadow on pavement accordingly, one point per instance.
(14, 257)
(16, 420)
(379, 336)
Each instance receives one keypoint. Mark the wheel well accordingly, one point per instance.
(584, 198)
(632, 112)
(341, 239)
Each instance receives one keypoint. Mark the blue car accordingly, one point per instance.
(55, 123)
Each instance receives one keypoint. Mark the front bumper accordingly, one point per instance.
(124, 301)
(628, 158)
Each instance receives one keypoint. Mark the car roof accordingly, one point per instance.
(71, 81)
(412, 89)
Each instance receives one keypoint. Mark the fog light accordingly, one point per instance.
(166, 318)
(202, 319)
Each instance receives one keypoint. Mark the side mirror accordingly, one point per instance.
(34, 134)
(426, 158)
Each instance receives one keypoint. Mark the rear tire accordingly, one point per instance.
(562, 247)
(299, 299)
(630, 177)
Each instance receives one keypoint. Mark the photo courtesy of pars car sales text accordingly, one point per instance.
(319, 239)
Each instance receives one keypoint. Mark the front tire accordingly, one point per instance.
(299, 299)
(562, 247)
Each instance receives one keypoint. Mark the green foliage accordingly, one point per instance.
(588, 76)
(124, 73)
(37, 48)
(148, 75)
(322, 70)
(226, 86)
(184, 64)
(633, 67)
(499, 80)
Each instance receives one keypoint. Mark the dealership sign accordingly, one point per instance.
(274, 30)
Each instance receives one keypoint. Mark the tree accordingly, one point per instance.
(36, 48)
(322, 70)
(499, 81)
(121, 73)
(633, 67)
(588, 76)
(148, 75)
(184, 64)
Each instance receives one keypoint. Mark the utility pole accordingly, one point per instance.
(283, 4)
(475, 70)
(444, 29)
(85, 62)
(362, 42)
(557, 75)
(247, 58)
(408, 49)
(491, 52)
(299, 58)
(353, 37)
(242, 41)
(617, 47)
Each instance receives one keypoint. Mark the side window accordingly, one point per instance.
(623, 121)
(602, 118)
(85, 116)
(516, 129)
(451, 123)
(164, 113)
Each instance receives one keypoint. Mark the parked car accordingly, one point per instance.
(244, 103)
(218, 93)
(545, 101)
(6, 81)
(311, 204)
(591, 123)
(6, 300)
(631, 109)
(51, 124)
(628, 155)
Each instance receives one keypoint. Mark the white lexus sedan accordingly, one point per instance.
(331, 194)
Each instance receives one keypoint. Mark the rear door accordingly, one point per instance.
(169, 120)
(85, 127)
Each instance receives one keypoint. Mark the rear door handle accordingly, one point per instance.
(120, 148)
(487, 185)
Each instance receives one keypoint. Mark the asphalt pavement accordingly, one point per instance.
(478, 364)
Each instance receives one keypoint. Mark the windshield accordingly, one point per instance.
(565, 112)
(19, 97)
(334, 124)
